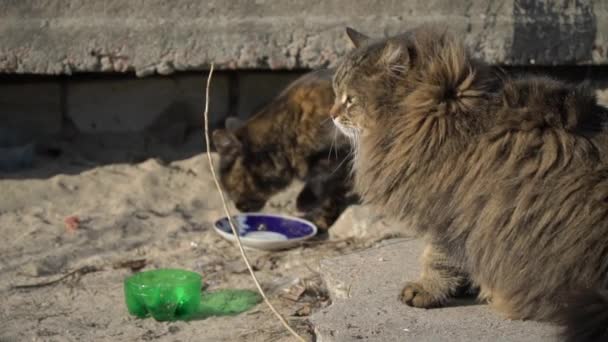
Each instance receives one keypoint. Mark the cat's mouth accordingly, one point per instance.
(346, 129)
(250, 205)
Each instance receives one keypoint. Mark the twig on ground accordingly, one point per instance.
(134, 265)
(230, 220)
(77, 272)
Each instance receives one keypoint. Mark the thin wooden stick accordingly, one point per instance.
(232, 226)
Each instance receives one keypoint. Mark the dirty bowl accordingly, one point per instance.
(267, 231)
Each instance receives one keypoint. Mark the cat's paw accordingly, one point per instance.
(414, 294)
(320, 221)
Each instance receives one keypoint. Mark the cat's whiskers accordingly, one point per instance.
(336, 142)
(342, 162)
(325, 121)
(331, 145)
(353, 137)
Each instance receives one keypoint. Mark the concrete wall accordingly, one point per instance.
(53, 37)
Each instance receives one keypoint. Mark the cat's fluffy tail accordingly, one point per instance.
(585, 318)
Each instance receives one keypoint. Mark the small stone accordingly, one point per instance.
(106, 64)
(165, 68)
(294, 293)
(72, 223)
(304, 310)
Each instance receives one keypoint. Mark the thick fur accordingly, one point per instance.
(290, 137)
(506, 178)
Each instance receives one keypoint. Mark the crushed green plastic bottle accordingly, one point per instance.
(173, 294)
(165, 294)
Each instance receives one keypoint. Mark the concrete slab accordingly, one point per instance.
(364, 287)
(148, 37)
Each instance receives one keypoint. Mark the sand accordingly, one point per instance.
(129, 210)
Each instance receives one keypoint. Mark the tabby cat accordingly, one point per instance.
(290, 137)
(507, 179)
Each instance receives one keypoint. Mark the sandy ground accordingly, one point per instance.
(158, 211)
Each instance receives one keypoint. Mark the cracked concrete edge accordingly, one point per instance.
(70, 36)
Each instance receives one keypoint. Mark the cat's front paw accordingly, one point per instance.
(414, 294)
(320, 221)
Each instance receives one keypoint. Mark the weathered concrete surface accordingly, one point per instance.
(364, 287)
(68, 36)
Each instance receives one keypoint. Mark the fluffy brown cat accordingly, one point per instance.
(290, 137)
(506, 179)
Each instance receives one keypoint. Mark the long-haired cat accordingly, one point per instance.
(290, 137)
(505, 178)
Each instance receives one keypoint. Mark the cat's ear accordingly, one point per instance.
(395, 56)
(580, 103)
(225, 142)
(232, 124)
(356, 37)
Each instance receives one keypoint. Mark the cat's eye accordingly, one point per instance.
(349, 101)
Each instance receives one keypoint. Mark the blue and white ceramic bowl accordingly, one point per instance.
(267, 231)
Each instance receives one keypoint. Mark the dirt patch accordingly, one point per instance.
(71, 236)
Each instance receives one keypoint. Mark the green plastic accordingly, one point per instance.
(227, 302)
(173, 294)
(165, 294)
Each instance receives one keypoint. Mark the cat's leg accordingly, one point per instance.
(325, 213)
(308, 199)
(328, 189)
(331, 200)
(441, 279)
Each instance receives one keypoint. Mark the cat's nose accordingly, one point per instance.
(335, 110)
